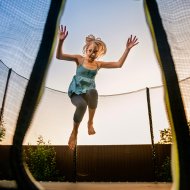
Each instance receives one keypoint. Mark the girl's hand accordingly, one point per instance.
(62, 33)
(131, 42)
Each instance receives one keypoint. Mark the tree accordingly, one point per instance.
(166, 135)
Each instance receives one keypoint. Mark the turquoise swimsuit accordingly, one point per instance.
(83, 81)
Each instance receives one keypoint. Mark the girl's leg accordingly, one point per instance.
(81, 106)
(91, 130)
(73, 137)
(92, 96)
(80, 103)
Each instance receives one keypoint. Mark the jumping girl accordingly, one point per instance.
(82, 90)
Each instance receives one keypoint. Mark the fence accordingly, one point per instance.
(102, 163)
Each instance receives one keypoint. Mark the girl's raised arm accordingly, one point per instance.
(131, 42)
(63, 33)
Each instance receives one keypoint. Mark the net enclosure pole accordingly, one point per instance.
(173, 100)
(74, 165)
(5, 94)
(33, 93)
(151, 132)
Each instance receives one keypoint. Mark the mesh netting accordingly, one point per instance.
(21, 29)
(175, 17)
(14, 96)
(124, 115)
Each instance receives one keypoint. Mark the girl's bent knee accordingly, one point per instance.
(92, 98)
(93, 93)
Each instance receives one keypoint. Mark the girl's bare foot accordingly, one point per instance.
(72, 140)
(91, 130)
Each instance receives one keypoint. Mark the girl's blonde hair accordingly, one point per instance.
(101, 45)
